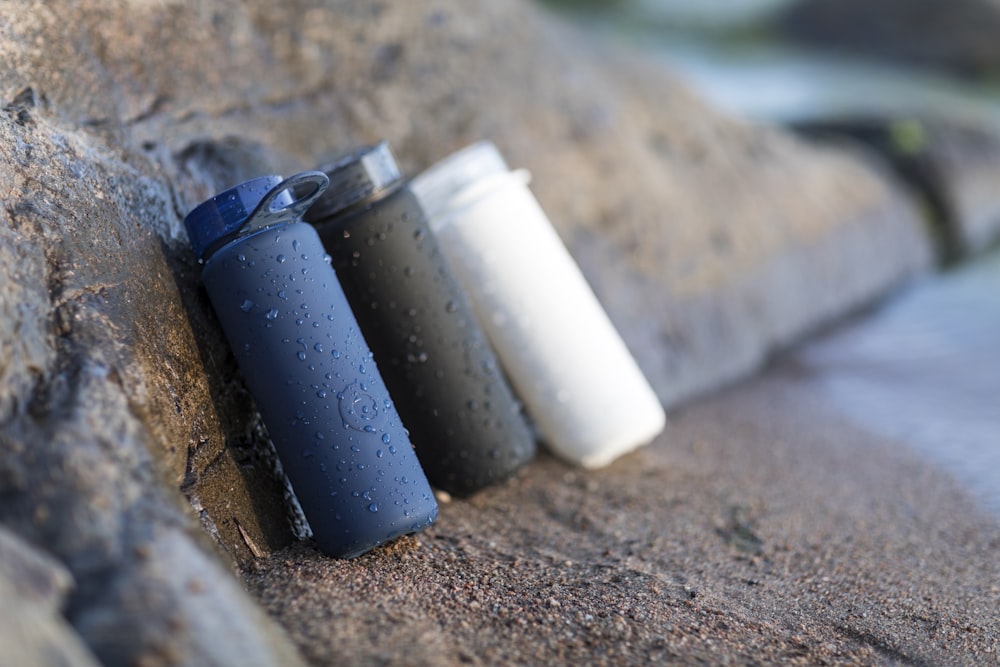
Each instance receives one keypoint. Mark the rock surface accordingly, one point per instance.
(709, 240)
(32, 629)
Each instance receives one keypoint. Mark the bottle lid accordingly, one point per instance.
(441, 182)
(359, 175)
(250, 206)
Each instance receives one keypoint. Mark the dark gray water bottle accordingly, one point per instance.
(467, 427)
(306, 363)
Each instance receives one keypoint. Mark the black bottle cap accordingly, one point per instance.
(360, 175)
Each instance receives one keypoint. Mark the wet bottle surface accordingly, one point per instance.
(463, 419)
(306, 363)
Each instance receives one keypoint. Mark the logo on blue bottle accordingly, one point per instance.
(360, 410)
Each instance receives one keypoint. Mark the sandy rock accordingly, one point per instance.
(709, 240)
(764, 528)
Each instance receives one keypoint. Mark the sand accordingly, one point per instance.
(761, 528)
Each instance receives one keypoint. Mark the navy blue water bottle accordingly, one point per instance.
(326, 409)
(463, 419)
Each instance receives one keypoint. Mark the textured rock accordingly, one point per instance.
(32, 629)
(709, 240)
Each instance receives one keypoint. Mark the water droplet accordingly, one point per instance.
(281, 259)
(246, 306)
(408, 271)
(368, 427)
(450, 307)
(318, 347)
(295, 244)
(379, 453)
(281, 294)
(301, 355)
(336, 354)
(373, 507)
(419, 235)
(321, 393)
(241, 257)
(392, 449)
(473, 405)
(319, 435)
(355, 448)
(272, 314)
(385, 438)
(361, 466)
(361, 369)
(347, 234)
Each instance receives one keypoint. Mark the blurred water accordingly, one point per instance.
(710, 14)
(787, 85)
(729, 53)
(925, 370)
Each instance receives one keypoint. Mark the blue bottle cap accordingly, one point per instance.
(223, 217)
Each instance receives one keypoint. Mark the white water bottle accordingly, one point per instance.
(578, 380)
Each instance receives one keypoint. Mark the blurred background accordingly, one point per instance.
(801, 61)
(914, 85)
(915, 81)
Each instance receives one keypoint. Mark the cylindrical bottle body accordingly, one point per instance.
(325, 407)
(463, 419)
(579, 382)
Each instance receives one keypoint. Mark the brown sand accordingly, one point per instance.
(761, 528)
